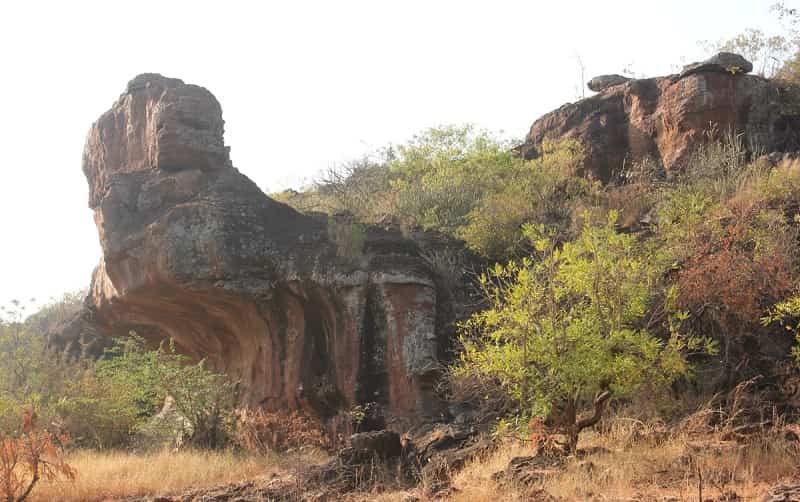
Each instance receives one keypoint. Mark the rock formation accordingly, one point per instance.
(603, 82)
(666, 118)
(193, 250)
(723, 62)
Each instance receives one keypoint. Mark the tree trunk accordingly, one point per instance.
(574, 430)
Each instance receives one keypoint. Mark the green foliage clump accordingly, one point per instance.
(787, 314)
(442, 174)
(543, 191)
(567, 324)
(107, 402)
(120, 394)
(464, 182)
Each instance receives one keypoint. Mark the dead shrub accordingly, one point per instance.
(485, 398)
(264, 431)
(736, 415)
(739, 265)
(29, 458)
(448, 264)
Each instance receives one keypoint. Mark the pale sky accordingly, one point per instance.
(303, 85)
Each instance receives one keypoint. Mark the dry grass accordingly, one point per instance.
(635, 460)
(104, 475)
(674, 469)
(633, 455)
(474, 482)
(628, 460)
(642, 472)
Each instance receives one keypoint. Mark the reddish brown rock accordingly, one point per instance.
(193, 250)
(667, 118)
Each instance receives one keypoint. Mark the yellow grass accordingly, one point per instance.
(104, 475)
(475, 483)
(628, 460)
(642, 470)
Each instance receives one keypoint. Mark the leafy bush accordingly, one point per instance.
(30, 374)
(441, 175)
(127, 387)
(205, 399)
(457, 180)
(565, 326)
(104, 403)
(543, 191)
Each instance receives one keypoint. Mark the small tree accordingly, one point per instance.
(27, 459)
(564, 327)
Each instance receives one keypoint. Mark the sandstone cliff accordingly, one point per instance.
(667, 117)
(193, 250)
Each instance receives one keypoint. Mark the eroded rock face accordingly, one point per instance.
(668, 117)
(193, 250)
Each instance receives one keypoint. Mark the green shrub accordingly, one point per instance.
(104, 403)
(564, 326)
(463, 182)
(543, 191)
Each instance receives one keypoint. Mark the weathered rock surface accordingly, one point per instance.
(193, 250)
(721, 62)
(381, 444)
(603, 82)
(666, 118)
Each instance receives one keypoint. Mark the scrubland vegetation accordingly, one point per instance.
(636, 307)
(643, 329)
(620, 317)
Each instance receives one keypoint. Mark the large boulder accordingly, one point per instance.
(603, 82)
(193, 250)
(721, 62)
(667, 118)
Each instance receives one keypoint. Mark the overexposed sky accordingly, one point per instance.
(303, 85)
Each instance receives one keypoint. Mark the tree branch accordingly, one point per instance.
(599, 405)
(28, 490)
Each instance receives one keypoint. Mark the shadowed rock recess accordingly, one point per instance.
(193, 250)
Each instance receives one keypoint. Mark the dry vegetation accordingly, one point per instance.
(642, 471)
(108, 475)
(627, 464)
(732, 446)
(627, 460)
